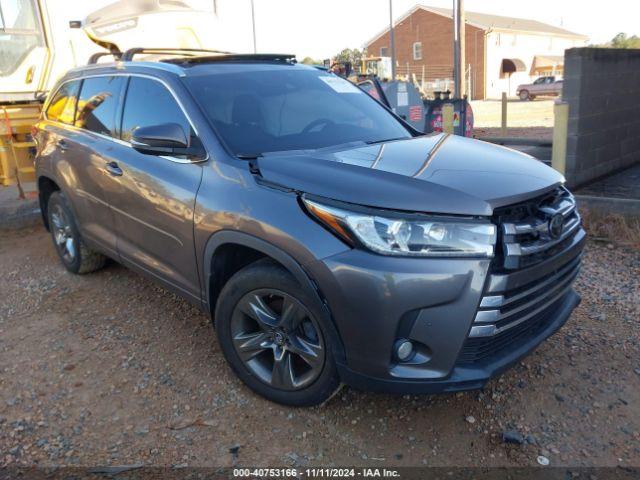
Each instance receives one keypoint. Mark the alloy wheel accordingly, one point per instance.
(277, 339)
(63, 234)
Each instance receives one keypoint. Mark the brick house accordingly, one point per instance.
(501, 52)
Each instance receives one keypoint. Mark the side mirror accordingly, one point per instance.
(164, 139)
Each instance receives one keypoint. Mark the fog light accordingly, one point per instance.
(404, 350)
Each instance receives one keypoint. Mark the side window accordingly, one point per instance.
(149, 103)
(62, 107)
(97, 104)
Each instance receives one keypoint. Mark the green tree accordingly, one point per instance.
(621, 40)
(311, 61)
(352, 55)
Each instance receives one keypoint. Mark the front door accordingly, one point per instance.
(153, 198)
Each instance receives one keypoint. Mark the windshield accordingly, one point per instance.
(289, 108)
(19, 33)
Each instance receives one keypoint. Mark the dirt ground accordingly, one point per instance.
(109, 369)
(539, 133)
(536, 113)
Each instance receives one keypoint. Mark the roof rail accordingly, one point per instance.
(235, 57)
(128, 55)
(97, 56)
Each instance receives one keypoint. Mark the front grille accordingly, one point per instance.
(526, 230)
(533, 270)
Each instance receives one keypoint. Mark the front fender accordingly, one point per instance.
(226, 237)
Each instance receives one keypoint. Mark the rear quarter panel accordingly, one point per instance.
(45, 139)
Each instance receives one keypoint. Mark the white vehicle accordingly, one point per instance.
(39, 42)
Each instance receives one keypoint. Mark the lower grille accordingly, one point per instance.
(503, 311)
(475, 350)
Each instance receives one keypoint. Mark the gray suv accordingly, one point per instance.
(330, 242)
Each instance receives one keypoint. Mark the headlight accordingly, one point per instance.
(421, 236)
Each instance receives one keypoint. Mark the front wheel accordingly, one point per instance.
(274, 338)
(524, 95)
(73, 252)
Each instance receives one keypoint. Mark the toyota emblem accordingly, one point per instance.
(555, 225)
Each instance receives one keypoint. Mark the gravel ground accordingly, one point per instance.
(109, 369)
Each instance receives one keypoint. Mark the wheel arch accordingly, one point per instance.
(226, 239)
(46, 186)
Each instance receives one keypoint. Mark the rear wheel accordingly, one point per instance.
(524, 95)
(273, 336)
(74, 254)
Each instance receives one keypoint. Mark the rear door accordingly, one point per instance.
(548, 86)
(83, 148)
(94, 152)
(153, 199)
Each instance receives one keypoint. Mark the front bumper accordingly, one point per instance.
(466, 377)
(375, 300)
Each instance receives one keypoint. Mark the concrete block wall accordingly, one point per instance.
(602, 88)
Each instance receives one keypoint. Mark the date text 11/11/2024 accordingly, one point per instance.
(315, 473)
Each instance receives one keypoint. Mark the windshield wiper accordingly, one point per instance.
(248, 156)
(373, 142)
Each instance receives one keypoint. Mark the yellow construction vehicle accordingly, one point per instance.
(366, 68)
(39, 41)
(379, 67)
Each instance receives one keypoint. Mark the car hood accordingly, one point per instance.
(436, 173)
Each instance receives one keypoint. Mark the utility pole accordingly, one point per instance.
(253, 23)
(458, 49)
(392, 42)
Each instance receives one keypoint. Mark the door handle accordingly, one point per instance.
(63, 145)
(113, 169)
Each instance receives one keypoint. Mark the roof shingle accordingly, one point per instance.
(486, 21)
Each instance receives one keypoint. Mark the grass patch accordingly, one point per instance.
(612, 228)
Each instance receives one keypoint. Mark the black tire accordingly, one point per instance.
(73, 252)
(524, 95)
(309, 383)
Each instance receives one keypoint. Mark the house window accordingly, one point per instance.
(384, 51)
(417, 51)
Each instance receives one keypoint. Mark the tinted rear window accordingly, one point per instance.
(62, 107)
(98, 103)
